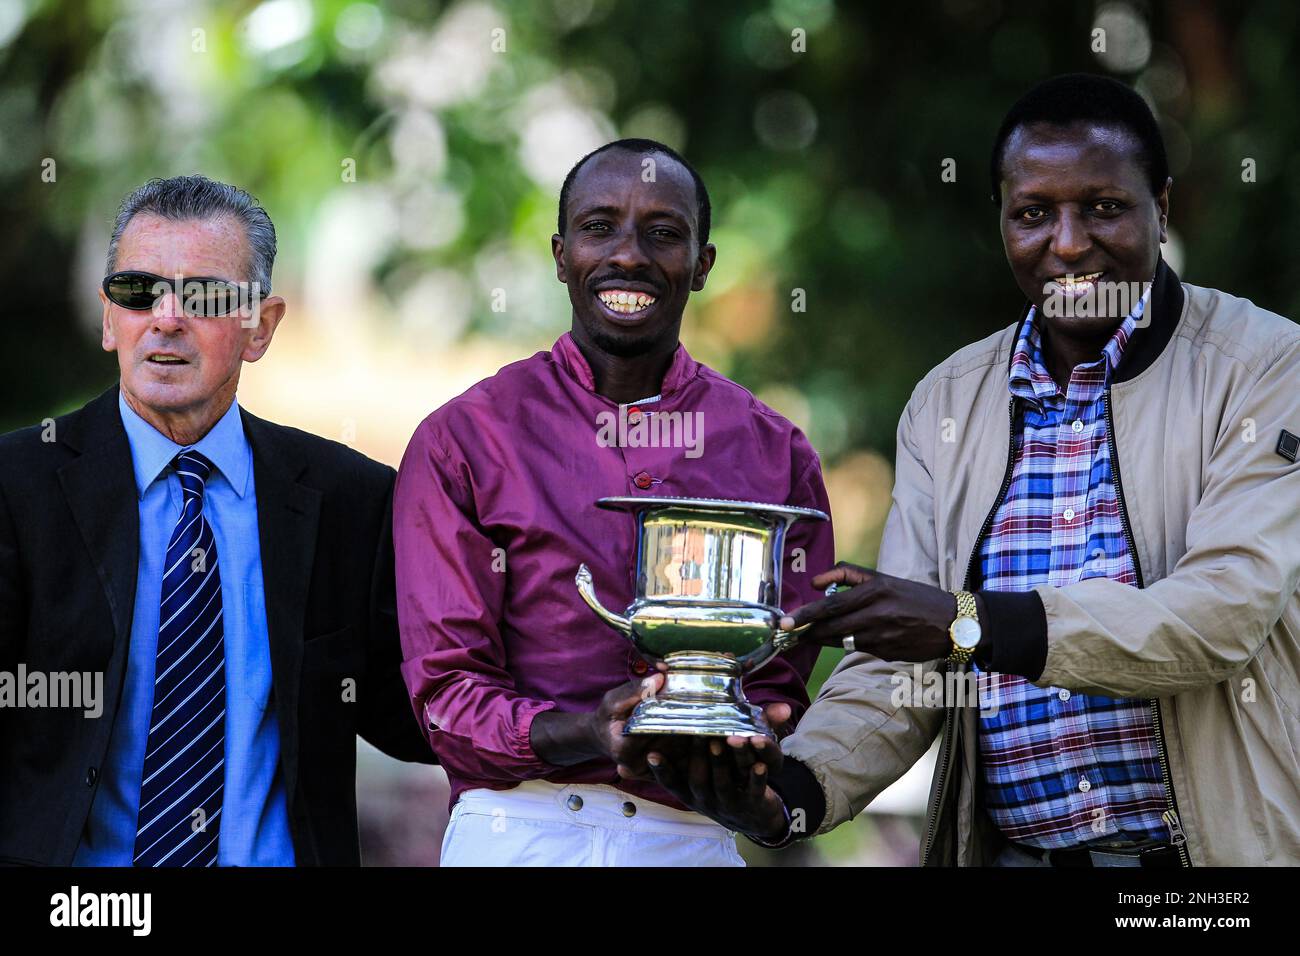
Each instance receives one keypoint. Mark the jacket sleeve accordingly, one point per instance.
(386, 720)
(1206, 620)
(450, 599)
(863, 732)
(809, 550)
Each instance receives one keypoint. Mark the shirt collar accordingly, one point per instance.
(569, 357)
(225, 445)
(1029, 377)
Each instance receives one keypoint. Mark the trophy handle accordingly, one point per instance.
(784, 640)
(588, 591)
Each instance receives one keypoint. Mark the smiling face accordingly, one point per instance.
(630, 254)
(176, 367)
(1078, 213)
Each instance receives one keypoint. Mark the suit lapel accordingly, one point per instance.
(99, 485)
(287, 518)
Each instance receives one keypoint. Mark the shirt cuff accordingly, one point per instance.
(1018, 633)
(524, 734)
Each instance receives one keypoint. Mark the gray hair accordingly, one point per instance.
(197, 197)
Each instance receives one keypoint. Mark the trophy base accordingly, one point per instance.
(701, 697)
(668, 718)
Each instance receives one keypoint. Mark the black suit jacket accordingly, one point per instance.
(69, 547)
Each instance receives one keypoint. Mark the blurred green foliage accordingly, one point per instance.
(824, 164)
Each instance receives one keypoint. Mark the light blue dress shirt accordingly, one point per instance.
(254, 816)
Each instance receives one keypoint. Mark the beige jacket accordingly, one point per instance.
(1212, 635)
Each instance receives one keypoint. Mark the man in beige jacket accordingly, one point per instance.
(1092, 557)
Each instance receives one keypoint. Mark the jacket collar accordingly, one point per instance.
(95, 425)
(1149, 340)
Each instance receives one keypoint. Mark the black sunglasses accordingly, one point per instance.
(199, 296)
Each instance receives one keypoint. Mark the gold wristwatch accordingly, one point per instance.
(965, 628)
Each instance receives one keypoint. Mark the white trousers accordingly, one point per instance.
(547, 824)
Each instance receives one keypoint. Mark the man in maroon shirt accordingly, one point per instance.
(522, 690)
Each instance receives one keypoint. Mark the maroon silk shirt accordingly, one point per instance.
(494, 511)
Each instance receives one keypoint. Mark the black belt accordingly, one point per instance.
(1160, 855)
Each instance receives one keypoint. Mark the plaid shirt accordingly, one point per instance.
(1062, 768)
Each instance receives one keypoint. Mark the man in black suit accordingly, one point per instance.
(216, 589)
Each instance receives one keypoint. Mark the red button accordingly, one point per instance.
(640, 667)
(634, 416)
(643, 480)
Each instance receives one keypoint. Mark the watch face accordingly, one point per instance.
(966, 632)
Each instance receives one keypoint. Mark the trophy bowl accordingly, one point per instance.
(708, 583)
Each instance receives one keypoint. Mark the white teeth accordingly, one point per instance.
(625, 302)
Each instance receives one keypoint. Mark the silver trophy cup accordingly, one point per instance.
(708, 583)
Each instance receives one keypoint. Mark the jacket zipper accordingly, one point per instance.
(1170, 815)
(945, 748)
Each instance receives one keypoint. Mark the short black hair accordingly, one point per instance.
(1085, 97)
(703, 211)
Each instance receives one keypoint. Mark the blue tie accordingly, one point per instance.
(180, 792)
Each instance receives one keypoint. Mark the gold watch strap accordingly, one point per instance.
(966, 607)
(966, 604)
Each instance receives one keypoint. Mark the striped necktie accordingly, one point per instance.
(180, 792)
